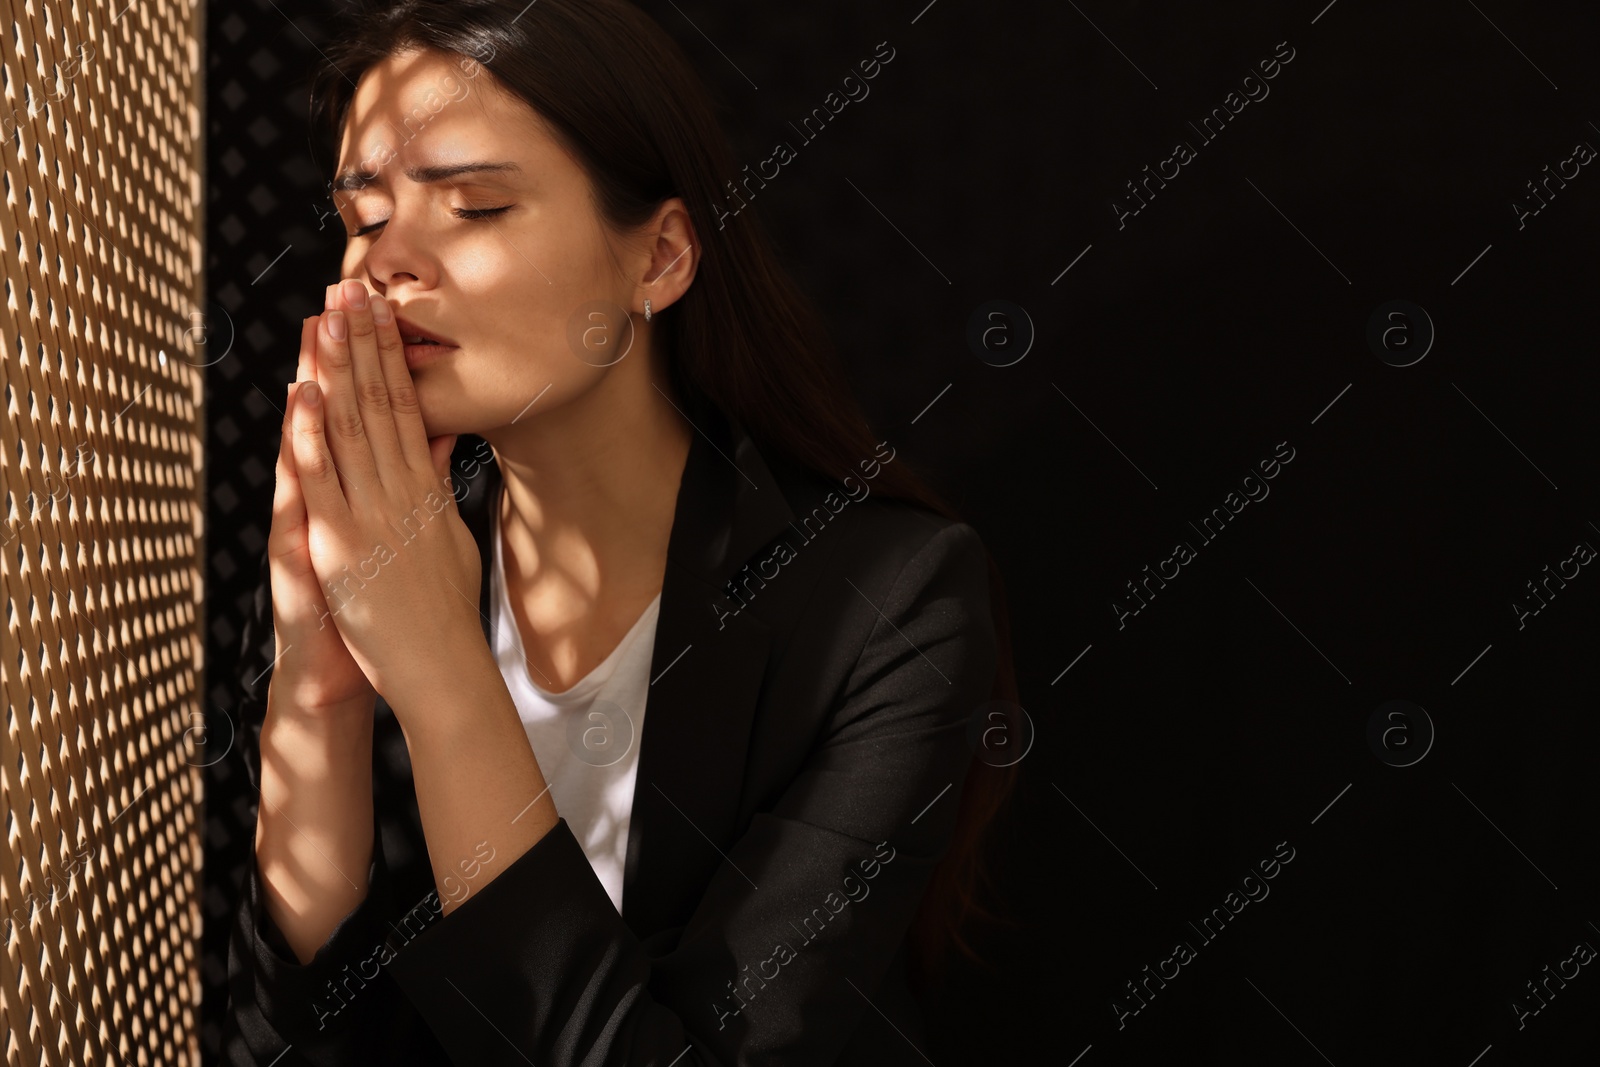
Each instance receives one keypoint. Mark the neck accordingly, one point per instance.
(590, 489)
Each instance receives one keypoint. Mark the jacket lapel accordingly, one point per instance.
(706, 665)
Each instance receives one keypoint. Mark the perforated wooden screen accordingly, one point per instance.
(100, 778)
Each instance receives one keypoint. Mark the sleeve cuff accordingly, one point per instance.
(330, 989)
(522, 949)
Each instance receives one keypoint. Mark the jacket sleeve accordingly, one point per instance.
(538, 967)
(341, 1007)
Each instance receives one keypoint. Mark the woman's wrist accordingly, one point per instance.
(348, 718)
(334, 740)
(462, 678)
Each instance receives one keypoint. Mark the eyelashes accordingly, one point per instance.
(464, 213)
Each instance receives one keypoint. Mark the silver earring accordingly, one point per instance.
(647, 309)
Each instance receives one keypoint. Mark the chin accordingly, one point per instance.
(439, 420)
(440, 408)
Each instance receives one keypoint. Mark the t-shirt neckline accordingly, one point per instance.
(590, 683)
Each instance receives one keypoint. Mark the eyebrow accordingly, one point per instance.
(353, 180)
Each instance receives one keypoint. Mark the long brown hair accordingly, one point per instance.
(624, 100)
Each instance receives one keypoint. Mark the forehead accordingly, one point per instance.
(422, 96)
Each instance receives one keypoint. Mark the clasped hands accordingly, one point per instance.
(367, 546)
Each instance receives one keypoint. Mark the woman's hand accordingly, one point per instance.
(314, 668)
(399, 568)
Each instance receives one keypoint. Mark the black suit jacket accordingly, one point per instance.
(802, 760)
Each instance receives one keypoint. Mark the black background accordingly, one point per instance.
(1174, 354)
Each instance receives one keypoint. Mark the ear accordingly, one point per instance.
(673, 257)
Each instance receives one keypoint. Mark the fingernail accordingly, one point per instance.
(328, 300)
(336, 325)
(311, 394)
(355, 294)
(382, 314)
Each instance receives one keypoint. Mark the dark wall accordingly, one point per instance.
(1243, 710)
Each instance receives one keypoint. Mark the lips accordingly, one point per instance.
(412, 333)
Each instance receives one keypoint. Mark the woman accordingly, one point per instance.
(563, 451)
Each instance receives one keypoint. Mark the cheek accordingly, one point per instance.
(544, 309)
(540, 317)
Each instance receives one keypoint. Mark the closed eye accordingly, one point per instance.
(467, 214)
(480, 212)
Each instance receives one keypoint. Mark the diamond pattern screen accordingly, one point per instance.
(100, 547)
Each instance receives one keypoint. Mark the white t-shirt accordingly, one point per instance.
(586, 738)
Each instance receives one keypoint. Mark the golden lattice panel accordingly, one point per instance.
(100, 549)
